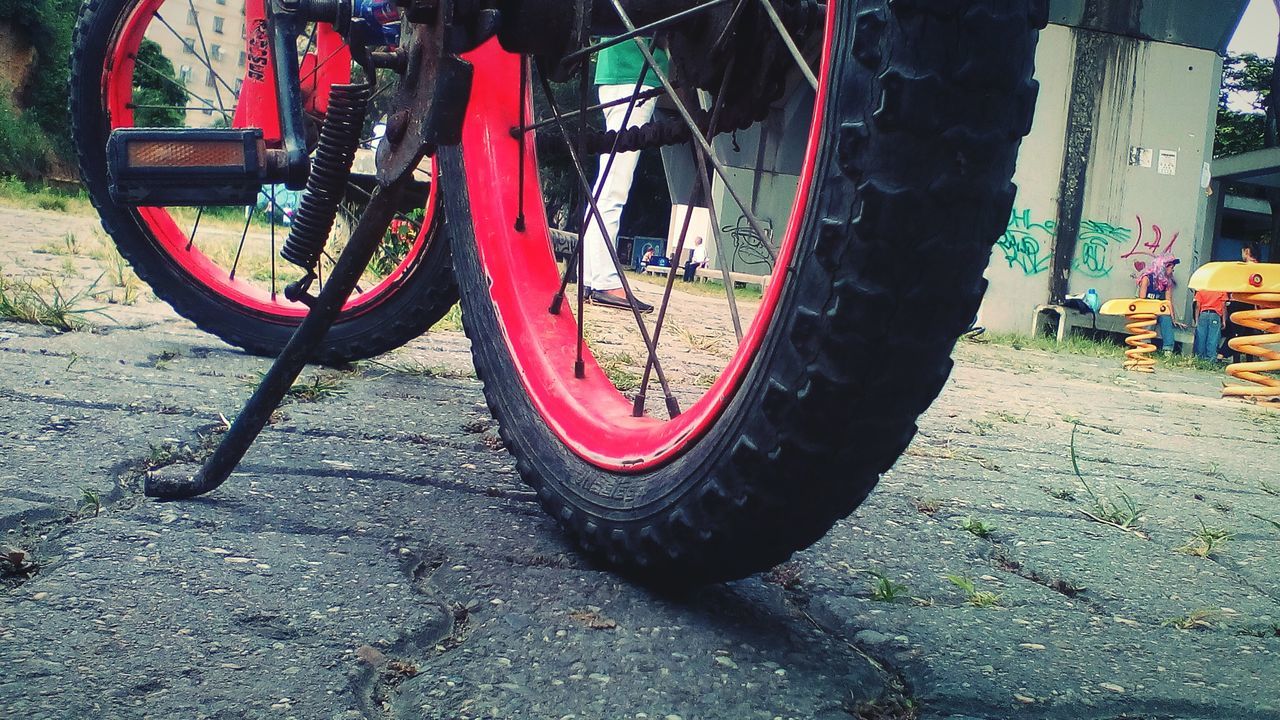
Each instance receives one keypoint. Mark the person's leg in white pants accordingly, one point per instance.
(598, 270)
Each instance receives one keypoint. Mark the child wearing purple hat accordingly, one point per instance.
(1156, 283)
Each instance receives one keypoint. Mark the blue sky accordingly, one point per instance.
(1257, 32)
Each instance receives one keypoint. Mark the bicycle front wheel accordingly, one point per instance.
(910, 129)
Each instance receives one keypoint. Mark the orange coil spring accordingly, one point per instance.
(1139, 352)
(1263, 320)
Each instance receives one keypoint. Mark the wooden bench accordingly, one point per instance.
(708, 274)
(1060, 321)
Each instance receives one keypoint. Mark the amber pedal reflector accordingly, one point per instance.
(190, 154)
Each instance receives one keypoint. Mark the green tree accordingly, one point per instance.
(1243, 76)
(156, 89)
(46, 25)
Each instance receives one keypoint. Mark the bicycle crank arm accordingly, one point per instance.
(288, 365)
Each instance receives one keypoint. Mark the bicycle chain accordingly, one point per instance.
(666, 131)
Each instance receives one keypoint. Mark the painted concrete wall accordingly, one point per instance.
(1144, 191)
(774, 145)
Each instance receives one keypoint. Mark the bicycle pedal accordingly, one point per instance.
(162, 167)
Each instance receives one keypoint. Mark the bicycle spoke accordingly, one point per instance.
(321, 64)
(311, 41)
(600, 182)
(203, 61)
(524, 92)
(324, 254)
(683, 111)
(703, 182)
(636, 32)
(200, 34)
(272, 213)
(791, 44)
(700, 192)
(191, 239)
(243, 235)
(208, 105)
(673, 407)
(643, 95)
(578, 365)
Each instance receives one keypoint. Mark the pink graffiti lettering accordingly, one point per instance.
(1153, 247)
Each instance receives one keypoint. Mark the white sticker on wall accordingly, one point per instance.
(1168, 162)
(1140, 156)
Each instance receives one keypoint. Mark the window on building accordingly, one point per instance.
(191, 17)
(184, 74)
(207, 111)
(242, 58)
(215, 51)
(239, 84)
(209, 79)
(221, 2)
(217, 25)
(189, 46)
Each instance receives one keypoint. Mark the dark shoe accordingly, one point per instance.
(600, 297)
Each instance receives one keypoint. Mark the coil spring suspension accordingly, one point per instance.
(1263, 319)
(1138, 356)
(327, 183)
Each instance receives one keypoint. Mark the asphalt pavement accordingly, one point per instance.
(376, 556)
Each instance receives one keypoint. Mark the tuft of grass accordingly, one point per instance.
(26, 194)
(977, 527)
(884, 589)
(1202, 619)
(891, 707)
(704, 343)
(618, 367)
(1112, 347)
(166, 454)
(1060, 494)
(708, 288)
(928, 506)
(69, 245)
(52, 203)
(452, 320)
(322, 385)
(44, 302)
(401, 365)
(1125, 513)
(1205, 541)
(89, 500)
(974, 596)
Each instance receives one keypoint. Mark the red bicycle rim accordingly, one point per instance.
(588, 415)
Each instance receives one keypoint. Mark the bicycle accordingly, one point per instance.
(129, 61)
(909, 118)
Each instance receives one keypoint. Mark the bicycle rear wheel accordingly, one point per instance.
(178, 63)
(902, 185)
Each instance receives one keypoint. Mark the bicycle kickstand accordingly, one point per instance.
(301, 348)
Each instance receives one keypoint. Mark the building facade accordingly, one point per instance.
(205, 42)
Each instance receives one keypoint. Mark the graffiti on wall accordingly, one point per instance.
(1028, 245)
(748, 247)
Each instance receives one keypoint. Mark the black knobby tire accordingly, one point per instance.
(423, 294)
(927, 104)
